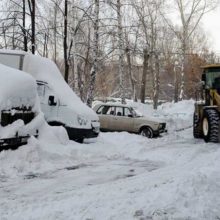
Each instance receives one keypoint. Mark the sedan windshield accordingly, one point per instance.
(136, 113)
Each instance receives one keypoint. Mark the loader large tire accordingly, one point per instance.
(197, 128)
(210, 125)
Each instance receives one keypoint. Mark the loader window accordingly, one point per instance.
(211, 76)
(216, 83)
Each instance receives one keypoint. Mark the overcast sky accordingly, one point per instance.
(211, 24)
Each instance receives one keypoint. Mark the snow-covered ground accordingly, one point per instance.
(120, 176)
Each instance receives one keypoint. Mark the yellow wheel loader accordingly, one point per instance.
(206, 119)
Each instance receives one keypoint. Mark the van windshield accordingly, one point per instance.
(12, 60)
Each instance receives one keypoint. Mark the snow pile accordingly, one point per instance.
(22, 129)
(48, 152)
(177, 115)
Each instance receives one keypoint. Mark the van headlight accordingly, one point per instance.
(81, 120)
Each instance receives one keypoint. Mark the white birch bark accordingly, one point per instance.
(121, 53)
(93, 71)
(156, 81)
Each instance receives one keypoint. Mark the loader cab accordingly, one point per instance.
(211, 83)
(211, 76)
(206, 119)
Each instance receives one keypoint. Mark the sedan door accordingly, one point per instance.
(123, 120)
(106, 117)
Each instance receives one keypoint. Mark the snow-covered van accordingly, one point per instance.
(20, 115)
(60, 105)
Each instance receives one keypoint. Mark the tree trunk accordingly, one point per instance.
(121, 54)
(4, 35)
(156, 81)
(183, 66)
(144, 74)
(55, 32)
(93, 71)
(45, 51)
(65, 47)
(33, 27)
(31, 4)
(13, 34)
(130, 74)
(176, 88)
(182, 81)
(24, 26)
(75, 64)
(80, 81)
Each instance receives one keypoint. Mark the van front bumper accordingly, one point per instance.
(78, 134)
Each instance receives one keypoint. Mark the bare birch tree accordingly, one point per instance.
(148, 14)
(32, 7)
(121, 52)
(95, 56)
(65, 46)
(190, 13)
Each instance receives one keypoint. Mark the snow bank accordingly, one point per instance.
(18, 127)
(177, 115)
(46, 153)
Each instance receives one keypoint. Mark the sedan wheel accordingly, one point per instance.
(147, 132)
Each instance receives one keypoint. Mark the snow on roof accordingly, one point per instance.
(15, 52)
(115, 104)
(44, 69)
(17, 88)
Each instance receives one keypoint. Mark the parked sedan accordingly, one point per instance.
(119, 117)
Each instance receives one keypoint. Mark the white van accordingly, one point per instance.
(20, 115)
(60, 105)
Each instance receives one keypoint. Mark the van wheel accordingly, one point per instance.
(147, 132)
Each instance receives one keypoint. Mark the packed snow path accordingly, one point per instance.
(121, 176)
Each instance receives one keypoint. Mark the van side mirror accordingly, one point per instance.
(51, 101)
